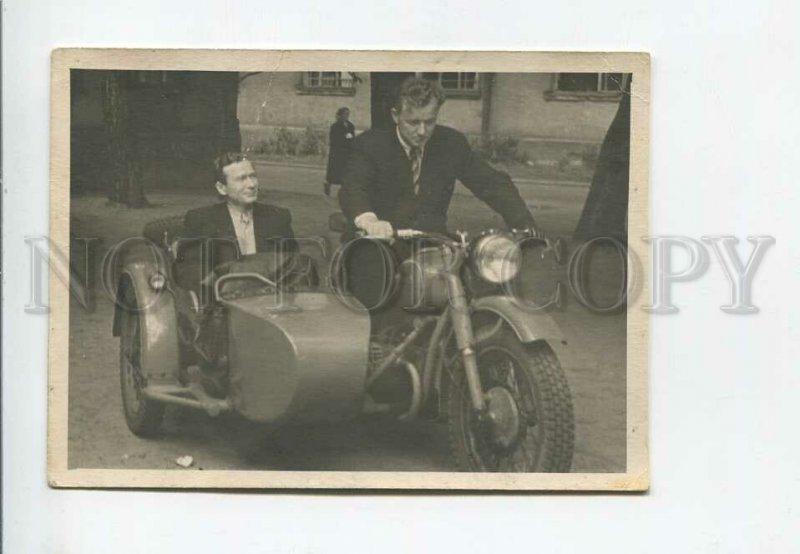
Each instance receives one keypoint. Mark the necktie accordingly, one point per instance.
(415, 154)
(246, 240)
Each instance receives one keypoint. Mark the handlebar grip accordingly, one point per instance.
(531, 232)
(399, 234)
(407, 233)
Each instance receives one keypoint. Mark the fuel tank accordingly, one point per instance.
(422, 280)
(303, 358)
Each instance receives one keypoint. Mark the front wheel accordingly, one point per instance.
(528, 425)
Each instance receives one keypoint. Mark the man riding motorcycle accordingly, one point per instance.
(403, 178)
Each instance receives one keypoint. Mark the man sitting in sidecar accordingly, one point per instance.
(190, 317)
(236, 235)
(239, 226)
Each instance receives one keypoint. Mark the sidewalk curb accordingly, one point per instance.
(256, 161)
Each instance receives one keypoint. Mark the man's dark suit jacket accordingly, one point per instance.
(379, 179)
(270, 224)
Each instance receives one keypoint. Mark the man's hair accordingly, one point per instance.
(224, 160)
(416, 92)
(341, 111)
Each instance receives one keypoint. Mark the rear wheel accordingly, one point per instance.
(142, 415)
(529, 424)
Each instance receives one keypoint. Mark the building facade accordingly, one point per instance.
(540, 110)
(179, 121)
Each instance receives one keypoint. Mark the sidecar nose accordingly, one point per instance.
(305, 360)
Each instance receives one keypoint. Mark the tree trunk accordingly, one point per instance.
(606, 208)
(126, 185)
(383, 88)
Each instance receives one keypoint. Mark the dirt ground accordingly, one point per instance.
(594, 360)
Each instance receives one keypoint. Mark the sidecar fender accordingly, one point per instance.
(157, 315)
(529, 326)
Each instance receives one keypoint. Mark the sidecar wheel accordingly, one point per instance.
(142, 415)
(531, 427)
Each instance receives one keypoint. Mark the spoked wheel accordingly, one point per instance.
(529, 424)
(142, 415)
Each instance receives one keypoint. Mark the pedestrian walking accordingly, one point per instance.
(340, 145)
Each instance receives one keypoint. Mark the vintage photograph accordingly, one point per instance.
(348, 270)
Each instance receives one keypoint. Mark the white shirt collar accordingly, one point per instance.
(243, 227)
(237, 211)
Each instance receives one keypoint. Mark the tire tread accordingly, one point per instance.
(554, 393)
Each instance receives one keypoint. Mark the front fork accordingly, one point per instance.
(465, 340)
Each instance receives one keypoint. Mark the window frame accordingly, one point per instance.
(598, 95)
(466, 93)
(304, 88)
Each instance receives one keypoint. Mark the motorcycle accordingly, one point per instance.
(467, 354)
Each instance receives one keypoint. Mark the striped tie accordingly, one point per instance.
(415, 154)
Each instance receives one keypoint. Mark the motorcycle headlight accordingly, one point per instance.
(158, 281)
(496, 258)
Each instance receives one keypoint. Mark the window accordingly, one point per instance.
(458, 85)
(151, 77)
(336, 83)
(587, 86)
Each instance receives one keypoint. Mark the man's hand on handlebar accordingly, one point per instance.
(374, 227)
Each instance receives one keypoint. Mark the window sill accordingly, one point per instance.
(325, 91)
(566, 96)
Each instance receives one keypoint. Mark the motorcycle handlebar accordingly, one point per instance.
(554, 245)
(408, 234)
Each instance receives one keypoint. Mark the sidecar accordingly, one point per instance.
(267, 348)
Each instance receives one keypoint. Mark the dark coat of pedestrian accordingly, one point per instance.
(340, 147)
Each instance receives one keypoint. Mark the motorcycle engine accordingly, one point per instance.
(394, 386)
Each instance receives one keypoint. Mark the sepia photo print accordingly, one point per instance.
(319, 269)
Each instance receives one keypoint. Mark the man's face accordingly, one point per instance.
(416, 125)
(346, 115)
(241, 185)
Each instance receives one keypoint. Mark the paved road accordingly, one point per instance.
(555, 206)
(594, 360)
